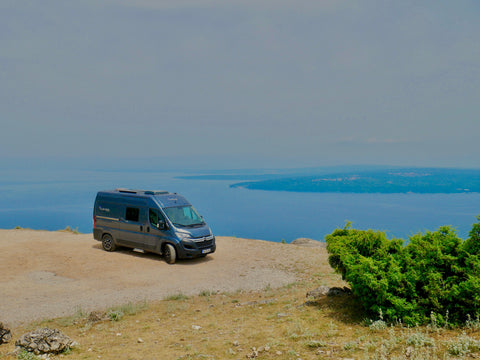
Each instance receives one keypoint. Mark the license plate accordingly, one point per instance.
(206, 251)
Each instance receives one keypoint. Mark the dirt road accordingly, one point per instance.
(49, 274)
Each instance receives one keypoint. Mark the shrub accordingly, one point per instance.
(435, 273)
(115, 315)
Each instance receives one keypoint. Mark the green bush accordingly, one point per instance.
(434, 274)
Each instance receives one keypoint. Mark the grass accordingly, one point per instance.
(67, 229)
(274, 323)
(71, 230)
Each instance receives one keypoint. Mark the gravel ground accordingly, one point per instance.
(50, 274)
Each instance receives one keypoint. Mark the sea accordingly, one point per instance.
(53, 197)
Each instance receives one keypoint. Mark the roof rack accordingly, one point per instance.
(128, 191)
(145, 192)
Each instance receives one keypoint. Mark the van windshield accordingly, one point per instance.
(185, 216)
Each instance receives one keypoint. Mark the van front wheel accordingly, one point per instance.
(169, 253)
(107, 243)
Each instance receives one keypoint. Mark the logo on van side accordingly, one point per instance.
(103, 209)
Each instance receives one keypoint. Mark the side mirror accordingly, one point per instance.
(161, 225)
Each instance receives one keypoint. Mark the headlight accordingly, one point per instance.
(183, 236)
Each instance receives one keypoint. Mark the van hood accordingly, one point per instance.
(196, 232)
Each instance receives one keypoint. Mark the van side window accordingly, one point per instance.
(132, 214)
(155, 217)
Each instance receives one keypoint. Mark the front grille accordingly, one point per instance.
(204, 244)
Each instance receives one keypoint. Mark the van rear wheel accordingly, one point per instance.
(169, 253)
(107, 243)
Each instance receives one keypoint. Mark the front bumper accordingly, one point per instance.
(188, 249)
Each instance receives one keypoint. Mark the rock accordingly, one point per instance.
(253, 354)
(318, 292)
(327, 291)
(337, 291)
(5, 334)
(308, 242)
(140, 341)
(45, 341)
(409, 351)
(96, 316)
(196, 327)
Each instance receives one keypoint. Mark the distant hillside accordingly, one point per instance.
(388, 181)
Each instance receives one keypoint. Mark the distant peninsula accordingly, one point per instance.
(376, 180)
(417, 180)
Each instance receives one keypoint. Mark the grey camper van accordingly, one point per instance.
(155, 221)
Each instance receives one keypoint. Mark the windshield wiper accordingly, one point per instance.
(195, 225)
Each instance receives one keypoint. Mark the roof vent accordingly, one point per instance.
(156, 192)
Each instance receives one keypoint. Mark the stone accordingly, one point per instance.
(318, 292)
(409, 351)
(328, 291)
(96, 316)
(45, 341)
(337, 291)
(253, 354)
(5, 334)
(308, 243)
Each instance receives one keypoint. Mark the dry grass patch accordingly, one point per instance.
(267, 324)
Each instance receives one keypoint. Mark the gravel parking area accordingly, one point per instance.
(50, 274)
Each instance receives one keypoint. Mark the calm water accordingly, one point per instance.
(53, 199)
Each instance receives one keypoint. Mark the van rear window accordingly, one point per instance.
(132, 214)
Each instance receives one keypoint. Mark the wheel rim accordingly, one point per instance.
(107, 241)
(167, 252)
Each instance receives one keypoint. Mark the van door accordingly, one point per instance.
(132, 227)
(156, 230)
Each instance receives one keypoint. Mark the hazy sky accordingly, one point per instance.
(305, 82)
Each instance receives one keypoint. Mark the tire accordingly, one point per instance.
(169, 253)
(107, 243)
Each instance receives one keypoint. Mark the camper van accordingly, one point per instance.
(155, 221)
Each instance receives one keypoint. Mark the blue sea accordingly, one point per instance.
(54, 197)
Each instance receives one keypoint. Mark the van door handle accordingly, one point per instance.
(141, 228)
(148, 228)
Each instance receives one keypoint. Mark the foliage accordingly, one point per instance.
(177, 297)
(115, 315)
(26, 355)
(433, 275)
